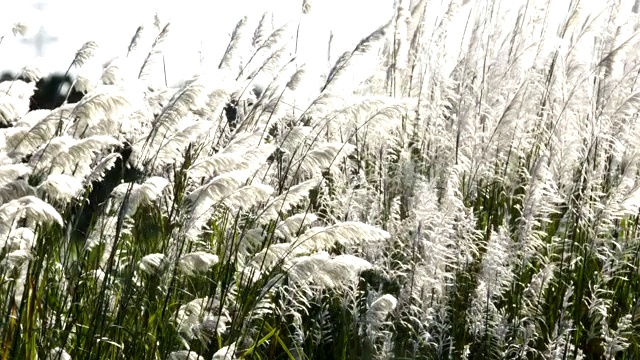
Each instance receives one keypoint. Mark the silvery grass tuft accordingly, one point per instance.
(462, 183)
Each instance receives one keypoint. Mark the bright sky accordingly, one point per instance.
(195, 25)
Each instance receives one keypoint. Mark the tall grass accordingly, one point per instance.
(462, 184)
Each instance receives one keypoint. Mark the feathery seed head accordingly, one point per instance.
(30, 207)
(306, 6)
(380, 308)
(58, 354)
(197, 262)
(150, 263)
(31, 73)
(225, 353)
(61, 187)
(19, 29)
(86, 53)
(16, 258)
(185, 355)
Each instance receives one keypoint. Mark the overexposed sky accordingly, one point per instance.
(195, 26)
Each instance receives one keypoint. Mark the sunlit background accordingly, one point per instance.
(199, 29)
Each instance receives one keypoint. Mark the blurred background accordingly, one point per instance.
(200, 29)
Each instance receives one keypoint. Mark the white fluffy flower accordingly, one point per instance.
(199, 261)
(150, 263)
(380, 308)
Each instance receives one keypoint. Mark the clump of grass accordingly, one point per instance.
(453, 188)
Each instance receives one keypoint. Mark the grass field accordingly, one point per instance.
(464, 183)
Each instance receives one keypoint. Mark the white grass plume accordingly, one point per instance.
(154, 54)
(88, 77)
(276, 254)
(246, 159)
(85, 53)
(141, 194)
(243, 141)
(272, 66)
(15, 190)
(203, 200)
(98, 172)
(261, 32)
(217, 164)
(494, 278)
(259, 155)
(12, 109)
(44, 157)
(291, 226)
(83, 152)
(17, 89)
(230, 58)
(30, 207)
(325, 271)
(135, 40)
(286, 201)
(103, 231)
(185, 355)
(67, 155)
(225, 353)
(16, 258)
(190, 314)
(347, 60)
(220, 186)
(304, 268)
(291, 140)
(32, 117)
(216, 101)
(380, 309)
(61, 187)
(20, 274)
(19, 29)
(197, 262)
(58, 354)
(270, 62)
(117, 72)
(31, 73)
(105, 101)
(149, 264)
(247, 197)
(21, 238)
(321, 158)
(191, 95)
(171, 150)
(347, 234)
(10, 172)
